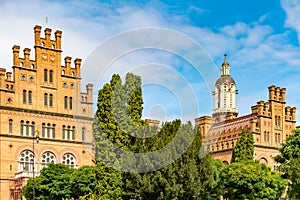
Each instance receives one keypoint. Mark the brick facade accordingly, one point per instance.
(42, 98)
(270, 122)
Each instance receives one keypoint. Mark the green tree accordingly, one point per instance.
(251, 180)
(289, 158)
(244, 147)
(58, 181)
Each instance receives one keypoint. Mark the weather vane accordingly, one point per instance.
(225, 56)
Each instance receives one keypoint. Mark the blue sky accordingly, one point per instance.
(261, 39)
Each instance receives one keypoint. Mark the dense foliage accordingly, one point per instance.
(289, 159)
(58, 181)
(180, 172)
(252, 180)
(244, 147)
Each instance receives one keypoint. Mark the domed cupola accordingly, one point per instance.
(225, 95)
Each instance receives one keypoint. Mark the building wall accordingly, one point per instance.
(42, 98)
(270, 122)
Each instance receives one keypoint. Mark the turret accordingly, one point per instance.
(77, 63)
(26, 53)
(37, 35)
(58, 35)
(16, 51)
(271, 92)
(2, 77)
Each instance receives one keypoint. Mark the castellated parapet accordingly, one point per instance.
(42, 96)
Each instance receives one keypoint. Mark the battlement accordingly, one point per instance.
(25, 61)
(261, 108)
(69, 70)
(46, 42)
(290, 113)
(277, 93)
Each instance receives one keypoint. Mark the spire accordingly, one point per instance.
(225, 66)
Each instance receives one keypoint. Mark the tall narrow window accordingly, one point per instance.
(276, 120)
(43, 129)
(68, 132)
(51, 76)
(27, 128)
(73, 133)
(275, 137)
(63, 132)
(24, 96)
(48, 130)
(10, 123)
(32, 128)
(83, 134)
(50, 100)
(265, 136)
(45, 99)
(268, 136)
(71, 103)
(279, 124)
(21, 127)
(278, 137)
(30, 97)
(66, 102)
(53, 131)
(45, 75)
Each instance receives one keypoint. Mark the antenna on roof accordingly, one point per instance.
(46, 19)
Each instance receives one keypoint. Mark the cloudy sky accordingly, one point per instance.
(176, 46)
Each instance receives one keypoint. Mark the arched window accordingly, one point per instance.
(47, 157)
(51, 76)
(275, 137)
(45, 75)
(73, 73)
(43, 129)
(24, 96)
(43, 44)
(83, 134)
(10, 124)
(268, 137)
(26, 160)
(73, 133)
(278, 123)
(27, 128)
(62, 72)
(50, 100)
(69, 160)
(71, 103)
(53, 46)
(265, 136)
(21, 127)
(48, 130)
(68, 132)
(66, 102)
(32, 128)
(45, 99)
(30, 97)
(279, 138)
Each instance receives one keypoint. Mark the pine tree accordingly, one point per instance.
(244, 148)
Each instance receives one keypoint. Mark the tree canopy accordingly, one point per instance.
(244, 147)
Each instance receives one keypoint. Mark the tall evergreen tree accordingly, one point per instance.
(244, 147)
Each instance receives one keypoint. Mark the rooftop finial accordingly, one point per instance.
(225, 55)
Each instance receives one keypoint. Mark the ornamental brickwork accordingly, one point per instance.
(41, 99)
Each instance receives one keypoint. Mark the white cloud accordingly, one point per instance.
(253, 49)
(292, 10)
